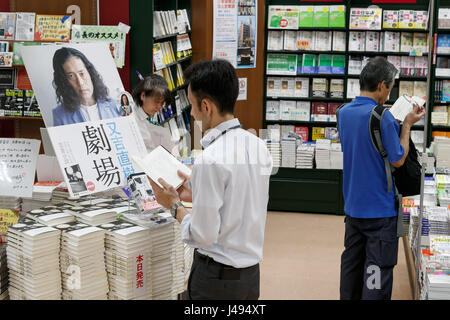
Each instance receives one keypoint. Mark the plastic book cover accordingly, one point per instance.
(337, 16)
(338, 64)
(321, 17)
(306, 16)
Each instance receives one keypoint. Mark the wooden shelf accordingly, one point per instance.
(21, 118)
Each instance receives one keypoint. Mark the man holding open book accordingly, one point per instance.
(371, 242)
(228, 188)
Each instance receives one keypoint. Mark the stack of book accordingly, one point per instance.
(61, 194)
(407, 204)
(288, 149)
(444, 18)
(323, 147)
(444, 199)
(437, 266)
(274, 148)
(336, 156)
(127, 255)
(163, 54)
(12, 203)
(3, 272)
(51, 215)
(442, 152)
(33, 261)
(42, 196)
(82, 262)
(100, 212)
(180, 271)
(437, 285)
(438, 218)
(305, 156)
(163, 262)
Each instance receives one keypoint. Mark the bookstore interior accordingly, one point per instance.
(78, 217)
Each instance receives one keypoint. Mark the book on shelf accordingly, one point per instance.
(406, 19)
(439, 118)
(444, 18)
(420, 42)
(158, 56)
(302, 131)
(319, 112)
(281, 64)
(420, 89)
(6, 59)
(372, 41)
(301, 87)
(397, 62)
(421, 19)
(184, 46)
(290, 40)
(25, 26)
(352, 88)
(320, 87)
(309, 63)
(317, 133)
(180, 76)
(338, 64)
(390, 19)
(286, 108)
(357, 41)
(337, 88)
(321, 17)
(183, 24)
(407, 66)
(273, 110)
(443, 43)
(337, 16)
(304, 110)
(339, 41)
(306, 16)
(323, 40)
(421, 66)
(275, 40)
(7, 25)
(332, 107)
(355, 64)
(442, 67)
(305, 40)
(366, 18)
(331, 133)
(406, 87)
(4, 46)
(324, 63)
(391, 41)
(406, 41)
(283, 17)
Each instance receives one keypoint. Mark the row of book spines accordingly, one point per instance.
(166, 22)
(316, 132)
(167, 74)
(167, 51)
(326, 108)
(442, 90)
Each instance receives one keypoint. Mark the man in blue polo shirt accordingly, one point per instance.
(371, 243)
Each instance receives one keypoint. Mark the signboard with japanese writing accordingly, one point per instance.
(110, 34)
(7, 218)
(96, 156)
(52, 28)
(74, 82)
(140, 279)
(17, 166)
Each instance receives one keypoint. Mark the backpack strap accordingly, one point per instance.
(375, 136)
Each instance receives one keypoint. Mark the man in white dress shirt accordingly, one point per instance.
(229, 190)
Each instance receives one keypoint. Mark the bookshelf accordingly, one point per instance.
(147, 34)
(294, 189)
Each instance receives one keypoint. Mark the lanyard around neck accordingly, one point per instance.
(223, 133)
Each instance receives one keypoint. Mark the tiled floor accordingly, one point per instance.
(302, 258)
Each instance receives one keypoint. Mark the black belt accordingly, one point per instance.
(227, 272)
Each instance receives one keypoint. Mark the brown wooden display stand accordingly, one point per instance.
(409, 263)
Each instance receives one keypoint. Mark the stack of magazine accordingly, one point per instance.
(437, 266)
(305, 156)
(33, 261)
(180, 262)
(127, 255)
(336, 156)
(12, 203)
(288, 149)
(438, 218)
(61, 194)
(51, 215)
(274, 148)
(3, 273)
(163, 262)
(323, 147)
(82, 262)
(100, 211)
(42, 195)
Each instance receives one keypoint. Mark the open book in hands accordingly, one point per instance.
(405, 105)
(160, 163)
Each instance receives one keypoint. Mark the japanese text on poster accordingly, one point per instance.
(52, 28)
(17, 166)
(96, 156)
(235, 26)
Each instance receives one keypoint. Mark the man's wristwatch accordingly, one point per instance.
(173, 210)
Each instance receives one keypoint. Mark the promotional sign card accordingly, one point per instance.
(96, 156)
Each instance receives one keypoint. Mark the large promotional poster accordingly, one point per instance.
(74, 83)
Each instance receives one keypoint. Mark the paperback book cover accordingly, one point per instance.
(306, 16)
(337, 16)
(303, 132)
(7, 25)
(318, 133)
(321, 17)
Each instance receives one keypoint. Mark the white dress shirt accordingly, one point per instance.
(230, 192)
(154, 135)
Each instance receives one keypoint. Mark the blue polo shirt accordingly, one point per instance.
(364, 175)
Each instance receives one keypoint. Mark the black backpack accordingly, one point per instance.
(408, 177)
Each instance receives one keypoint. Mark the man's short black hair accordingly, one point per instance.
(378, 69)
(216, 80)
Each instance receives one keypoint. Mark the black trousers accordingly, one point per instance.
(210, 280)
(367, 263)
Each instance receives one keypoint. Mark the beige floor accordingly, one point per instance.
(302, 258)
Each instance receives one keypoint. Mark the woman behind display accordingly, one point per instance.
(150, 95)
(80, 91)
